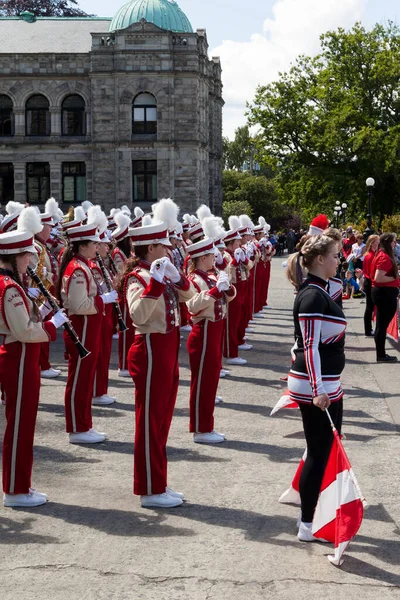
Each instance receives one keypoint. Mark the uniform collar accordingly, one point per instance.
(318, 280)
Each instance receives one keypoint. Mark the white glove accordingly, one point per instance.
(172, 273)
(223, 283)
(44, 310)
(59, 319)
(249, 252)
(219, 259)
(239, 255)
(34, 292)
(158, 267)
(109, 297)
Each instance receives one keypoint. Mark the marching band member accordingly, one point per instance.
(22, 331)
(79, 294)
(100, 389)
(154, 288)
(13, 210)
(237, 275)
(121, 253)
(314, 379)
(207, 309)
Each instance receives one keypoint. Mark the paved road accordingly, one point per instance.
(232, 539)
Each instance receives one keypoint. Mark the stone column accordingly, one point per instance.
(19, 122)
(20, 182)
(55, 116)
(56, 181)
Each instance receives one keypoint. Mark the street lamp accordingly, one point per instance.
(370, 182)
(337, 211)
(344, 208)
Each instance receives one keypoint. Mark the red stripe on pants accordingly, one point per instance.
(232, 322)
(205, 354)
(153, 365)
(20, 377)
(79, 389)
(125, 339)
(103, 362)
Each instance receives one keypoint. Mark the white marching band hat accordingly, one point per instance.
(16, 242)
(84, 233)
(156, 233)
(232, 235)
(201, 248)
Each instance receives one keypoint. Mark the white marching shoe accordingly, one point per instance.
(249, 330)
(123, 373)
(50, 373)
(223, 372)
(236, 361)
(208, 438)
(87, 437)
(33, 498)
(305, 534)
(259, 315)
(218, 399)
(174, 494)
(160, 501)
(187, 328)
(245, 347)
(103, 400)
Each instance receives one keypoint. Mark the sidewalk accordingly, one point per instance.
(232, 540)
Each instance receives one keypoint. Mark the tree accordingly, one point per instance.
(41, 8)
(334, 120)
(258, 192)
(236, 207)
(239, 151)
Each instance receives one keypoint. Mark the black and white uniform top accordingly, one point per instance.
(320, 328)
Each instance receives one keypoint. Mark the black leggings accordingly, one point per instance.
(385, 300)
(369, 307)
(319, 438)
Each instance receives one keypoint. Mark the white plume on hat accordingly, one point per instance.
(211, 228)
(98, 218)
(51, 207)
(138, 212)
(58, 216)
(246, 221)
(262, 221)
(122, 220)
(29, 220)
(234, 223)
(146, 220)
(166, 211)
(86, 205)
(114, 211)
(14, 207)
(79, 214)
(186, 219)
(125, 209)
(203, 212)
(179, 228)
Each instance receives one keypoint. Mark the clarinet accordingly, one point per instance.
(83, 353)
(121, 322)
(113, 266)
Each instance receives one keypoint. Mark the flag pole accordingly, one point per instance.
(352, 474)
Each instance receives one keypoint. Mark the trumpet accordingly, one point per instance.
(83, 353)
(121, 323)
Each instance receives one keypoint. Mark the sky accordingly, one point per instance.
(256, 39)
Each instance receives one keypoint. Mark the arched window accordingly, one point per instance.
(6, 116)
(144, 117)
(73, 120)
(37, 116)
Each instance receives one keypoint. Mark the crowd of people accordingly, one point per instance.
(143, 278)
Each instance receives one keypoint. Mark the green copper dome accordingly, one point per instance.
(166, 14)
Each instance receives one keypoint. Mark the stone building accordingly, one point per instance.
(116, 111)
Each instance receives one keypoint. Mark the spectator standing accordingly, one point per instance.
(370, 251)
(357, 251)
(385, 289)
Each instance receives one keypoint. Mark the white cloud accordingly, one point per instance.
(294, 29)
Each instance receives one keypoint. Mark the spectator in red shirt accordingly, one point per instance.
(385, 289)
(348, 242)
(370, 251)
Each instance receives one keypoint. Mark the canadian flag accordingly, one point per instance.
(292, 494)
(340, 508)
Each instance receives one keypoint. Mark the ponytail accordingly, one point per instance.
(129, 265)
(68, 255)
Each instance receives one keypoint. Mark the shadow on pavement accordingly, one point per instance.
(18, 532)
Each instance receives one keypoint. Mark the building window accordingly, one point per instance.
(74, 182)
(73, 116)
(6, 116)
(6, 182)
(37, 182)
(144, 180)
(37, 116)
(144, 118)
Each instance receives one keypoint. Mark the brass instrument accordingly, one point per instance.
(40, 271)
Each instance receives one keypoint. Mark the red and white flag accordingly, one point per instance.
(292, 494)
(284, 402)
(340, 506)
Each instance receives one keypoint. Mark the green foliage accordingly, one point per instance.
(334, 120)
(391, 224)
(41, 8)
(257, 191)
(235, 207)
(239, 151)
